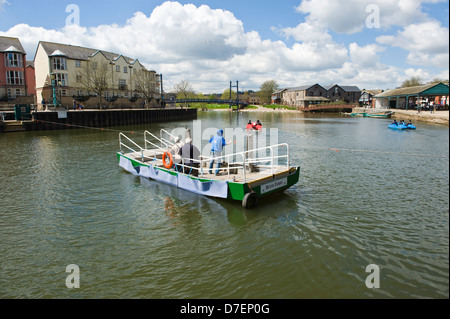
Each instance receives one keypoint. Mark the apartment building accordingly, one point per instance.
(92, 77)
(13, 75)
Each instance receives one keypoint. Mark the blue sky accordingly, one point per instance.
(210, 43)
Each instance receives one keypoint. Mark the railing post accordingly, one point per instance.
(271, 163)
(244, 170)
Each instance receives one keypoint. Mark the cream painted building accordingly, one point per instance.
(126, 82)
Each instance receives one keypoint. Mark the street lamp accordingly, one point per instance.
(53, 78)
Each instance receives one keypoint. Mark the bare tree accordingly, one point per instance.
(183, 89)
(95, 77)
(145, 82)
(413, 81)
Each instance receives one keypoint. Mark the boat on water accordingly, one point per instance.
(357, 114)
(401, 126)
(244, 176)
(374, 115)
(378, 115)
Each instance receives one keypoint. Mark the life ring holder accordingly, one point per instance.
(165, 155)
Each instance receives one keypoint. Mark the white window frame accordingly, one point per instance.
(14, 77)
(13, 60)
(63, 78)
(59, 63)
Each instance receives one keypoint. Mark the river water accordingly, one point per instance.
(367, 195)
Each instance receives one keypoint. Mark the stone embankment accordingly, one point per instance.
(438, 117)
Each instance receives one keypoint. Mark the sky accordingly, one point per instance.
(373, 44)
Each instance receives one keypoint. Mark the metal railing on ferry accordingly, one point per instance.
(247, 159)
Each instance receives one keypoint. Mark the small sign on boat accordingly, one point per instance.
(273, 185)
(62, 114)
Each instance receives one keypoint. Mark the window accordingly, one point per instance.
(122, 84)
(94, 65)
(79, 78)
(13, 93)
(61, 79)
(78, 64)
(59, 64)
(117, 68)
(14, 77)
(125, 69)
(13, 60)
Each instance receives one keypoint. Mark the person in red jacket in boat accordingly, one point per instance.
(249, 125)
(255, 126)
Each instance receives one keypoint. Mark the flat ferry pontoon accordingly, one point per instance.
(244, 176)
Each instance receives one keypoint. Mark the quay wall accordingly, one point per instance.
(48, 120)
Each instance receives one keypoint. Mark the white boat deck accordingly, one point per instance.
(154, 157)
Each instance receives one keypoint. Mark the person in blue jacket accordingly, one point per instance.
(217, 144)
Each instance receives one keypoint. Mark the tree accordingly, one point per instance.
(145, 82)
(413, 81)
(266, 90)
(226, 95)
(183, 89)
(94, 78)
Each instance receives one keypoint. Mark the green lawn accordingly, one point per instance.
(279, 107)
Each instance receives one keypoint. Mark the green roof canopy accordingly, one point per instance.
(429, 89)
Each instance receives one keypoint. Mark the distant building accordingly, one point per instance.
(14, 79)
(254, 99)
(30, 79)
(334, 92)
(303, 96)
(413, 97)
(277, 96)
(351, 94)
(367, 98)
(127, 82)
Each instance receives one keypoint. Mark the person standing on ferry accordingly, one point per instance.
(217, 144)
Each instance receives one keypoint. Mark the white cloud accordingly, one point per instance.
(349, 16)
(210, 48)
(366, 56)
(427, 43)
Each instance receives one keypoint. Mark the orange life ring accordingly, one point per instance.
(164, 160)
